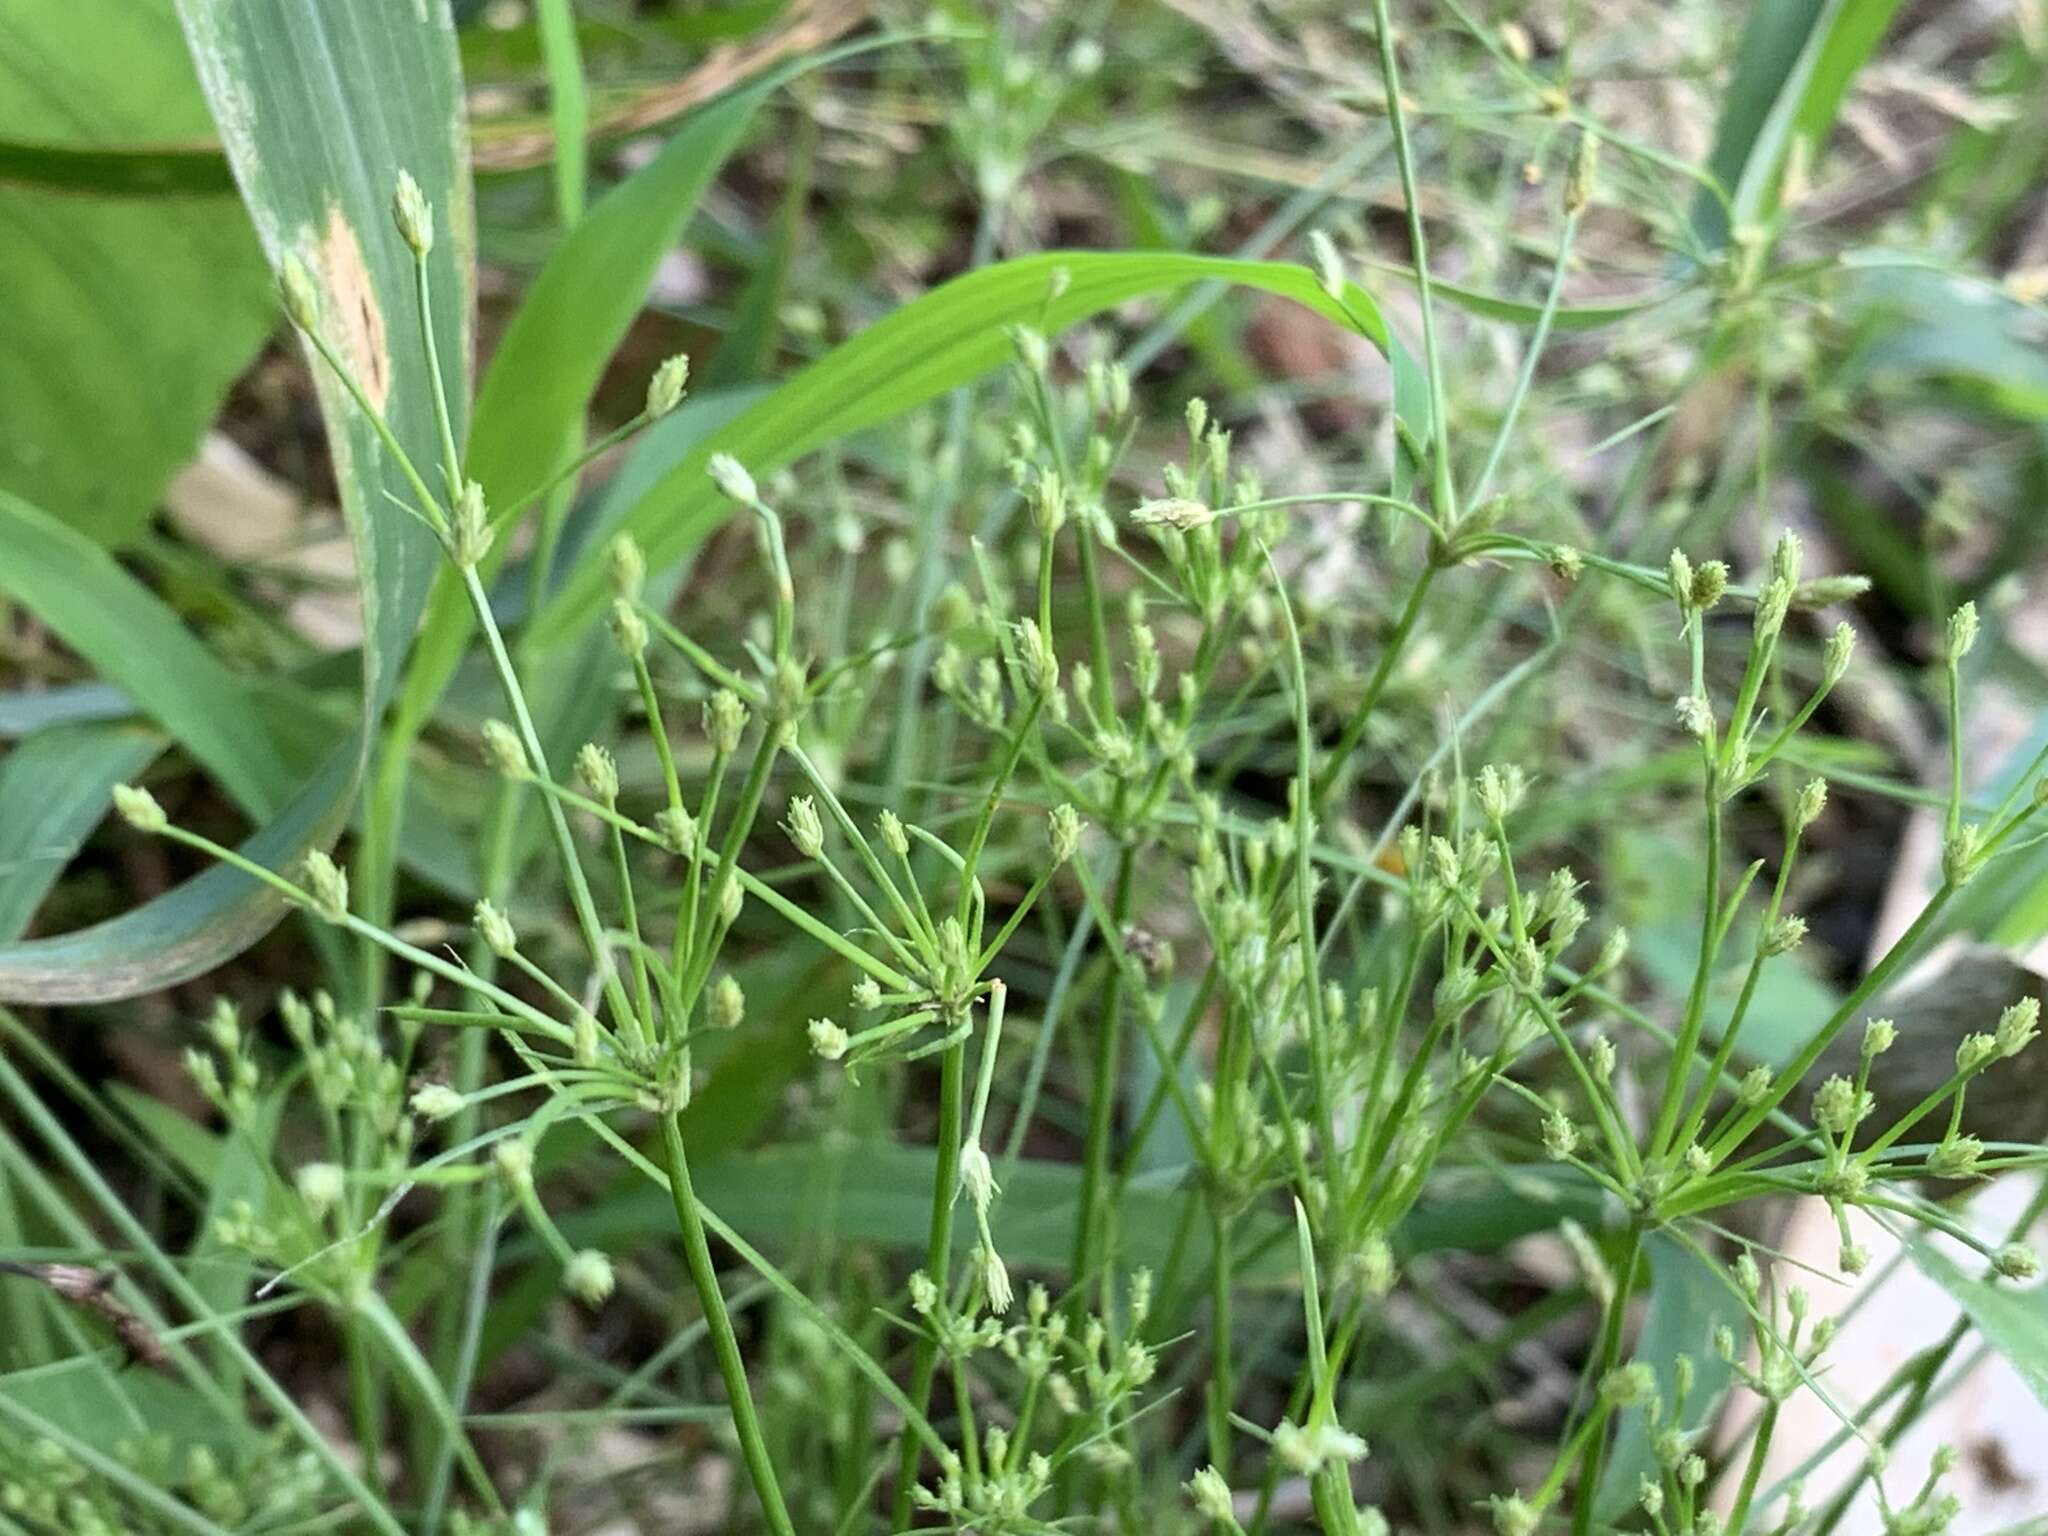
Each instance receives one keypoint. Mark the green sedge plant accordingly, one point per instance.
(1356, 1013)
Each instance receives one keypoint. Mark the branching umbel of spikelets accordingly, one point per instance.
(621, 1041)
(1335, 1091)
(632, 1048)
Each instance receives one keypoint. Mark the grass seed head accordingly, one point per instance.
(588, 1277)
(438, 1102)
(326, 886)
(732, 479)
(139, 808)
(828, 1040)
(666, 387)
(411, 213)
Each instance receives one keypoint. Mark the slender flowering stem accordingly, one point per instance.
(746, 1423)
(937, 1263)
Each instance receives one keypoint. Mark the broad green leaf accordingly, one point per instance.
(183, 1140)
(126, 319)
(1792, 69)
(133, 639)
(186, 932)
(932, 345)
(319, 106)
(86, 1402)
(53, 792)
(2014, 1322)
(125, 324)
(572, 319)
(318, 176)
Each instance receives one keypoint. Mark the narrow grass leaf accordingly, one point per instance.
(1792, 69)
(932, 345)
(2014, 1322)
(134, 640)
(53, 792)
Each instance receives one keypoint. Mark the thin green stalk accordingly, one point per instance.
(423, 959)
(937, 1263)
(1373, 1115)
(1443, 492)
(461, 1371)
(1607, 1357)
(1390, 654)
(965, 1433)
(711, 918)
(1221, 1391)
(683, 958)
(1041, 1048)
(1166, 1085)
(559, 477)
(992, 802)
(1090, 1235)
(1099, 658)
(365, 1401)
(931, 546)
(719, 673)
(704, 1275)
(1678, 1079)
(855, 838)
(565, 843)
(752, 884)
(1321, 1068)
(629, 912)
(1530, 358)
(657, 727)
(1725, 1051)
(1794, 1073)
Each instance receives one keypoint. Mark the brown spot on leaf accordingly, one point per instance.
(358, 320)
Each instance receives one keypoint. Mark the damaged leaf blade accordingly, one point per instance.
(316, 169)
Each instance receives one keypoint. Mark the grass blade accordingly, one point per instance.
(1792, 69)
(127, 317)
(319, 106)
(934, 344)
(53, 792)
(134, 640)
